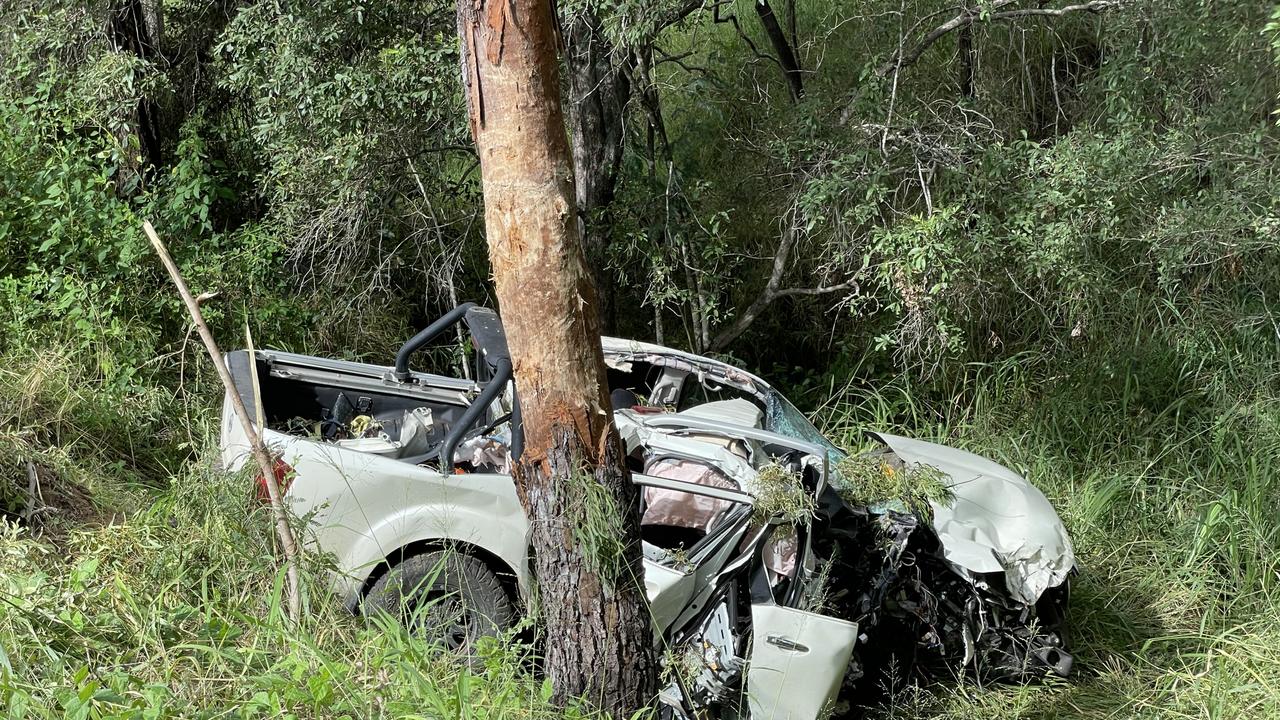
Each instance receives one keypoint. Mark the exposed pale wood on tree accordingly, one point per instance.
(599, 643)
(266, 465)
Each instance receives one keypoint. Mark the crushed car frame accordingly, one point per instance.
(775, 576)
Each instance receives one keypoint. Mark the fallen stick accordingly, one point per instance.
(34, 500)
(288, 545)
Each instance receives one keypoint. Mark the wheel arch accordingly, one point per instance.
(507, 575)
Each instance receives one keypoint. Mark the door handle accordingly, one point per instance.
(785, 643)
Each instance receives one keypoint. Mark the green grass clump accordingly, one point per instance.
(174, 612)
(780, 495)
(91, 444)
(868, 480)
(597, 525)
(1167, 477)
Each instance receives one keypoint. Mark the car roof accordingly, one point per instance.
(489, 337)
(623, 347)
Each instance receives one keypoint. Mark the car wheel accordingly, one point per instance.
(446, 596)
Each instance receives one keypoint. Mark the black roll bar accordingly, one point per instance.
(501, 375)
(446, 321)
(486, 331)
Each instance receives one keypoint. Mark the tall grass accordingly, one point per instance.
(147, 585)
(1168, 476)
(1160, 447)
(174, 612)
(93, 444)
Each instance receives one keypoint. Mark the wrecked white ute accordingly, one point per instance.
(775, 582)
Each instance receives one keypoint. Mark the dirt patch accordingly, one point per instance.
(50, 505)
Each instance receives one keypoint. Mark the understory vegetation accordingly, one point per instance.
(1052, 239)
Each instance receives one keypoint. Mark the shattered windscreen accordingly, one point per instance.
(783, 418)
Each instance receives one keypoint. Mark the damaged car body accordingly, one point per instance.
(774, 581)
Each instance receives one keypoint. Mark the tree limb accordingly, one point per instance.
(266, 465)
(732, 19)
(970, 15)
(786, 54)
(824, 290)
(683, 11)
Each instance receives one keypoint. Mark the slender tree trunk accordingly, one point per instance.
(599, 86)
(786, 54)
(966, 56)
(571, 478)
(793, 33)
(134, 26)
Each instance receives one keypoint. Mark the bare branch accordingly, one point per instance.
(733, 20)
(1095, 6)
(679, 13)
(905, 57)
(825, 290)
(679, 61)
(252, 433)
(787, 59)
(770, 292)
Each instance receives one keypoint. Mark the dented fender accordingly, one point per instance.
(998, 522)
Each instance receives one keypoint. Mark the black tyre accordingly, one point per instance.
(446, 596)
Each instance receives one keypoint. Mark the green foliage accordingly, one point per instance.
(596, 523)
(1096, 156)
(780, 496)
(871, 481)
(88, 437)
(1070, 268)
(1169, 490)
(358, 134)
(175, 613)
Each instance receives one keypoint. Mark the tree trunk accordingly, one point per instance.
(599, 87)
(786, 54)
(134, 27)
(966, 57)
(583, 508)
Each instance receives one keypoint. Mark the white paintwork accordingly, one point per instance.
(669, 591)
(798, 660)
(998, 522)
(735, 412)
(364, 507)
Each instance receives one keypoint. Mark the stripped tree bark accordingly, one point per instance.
(266, 465)
(571, 478)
